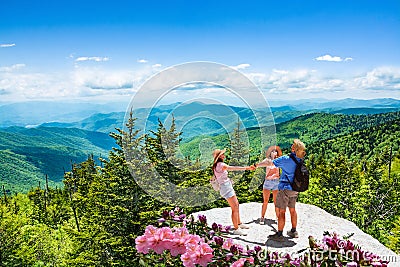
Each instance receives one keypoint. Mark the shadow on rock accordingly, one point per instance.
(285, 243)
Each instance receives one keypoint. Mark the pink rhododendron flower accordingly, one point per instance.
(193, 239)
(141, 244)
(228, 243)
(240, 262)
(179, 240)
(187, 260)
(206, 254)
(200, 254)
(150, 230)
(162, 240)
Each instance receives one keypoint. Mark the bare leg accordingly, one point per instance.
(293, 217)
(234, 204)
(281, 220)
(274, 194)
(266, 194)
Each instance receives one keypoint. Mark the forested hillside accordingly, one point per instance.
(363, 143)
(30, 154)
(357, 176)
(321, 126)
(51, 150)
(309, 128)
(95, 218)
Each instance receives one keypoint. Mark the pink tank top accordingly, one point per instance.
(221, 175)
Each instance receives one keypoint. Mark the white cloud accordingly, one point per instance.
(241, 66)
(382, 78)
(97, 59)
(328, 57)
(256, 77)
(12, 67)
(25, 86)
(103, 80)
(85, 82)
(142, 61)
(100, 83)
(156, 65)
(7, 45)
(379, 82)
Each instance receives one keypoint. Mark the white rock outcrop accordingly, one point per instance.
(311, 221)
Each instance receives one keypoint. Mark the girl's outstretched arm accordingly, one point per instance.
(239, 168)
(265, 163)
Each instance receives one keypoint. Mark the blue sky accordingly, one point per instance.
(95, 51)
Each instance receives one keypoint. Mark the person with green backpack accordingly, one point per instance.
(290, 165)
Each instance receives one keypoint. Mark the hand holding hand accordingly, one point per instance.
(252, 167)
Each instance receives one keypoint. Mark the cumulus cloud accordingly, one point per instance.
(142, 61)
(82, 82)
(12, 67)
(99, 83)
(156, 65)
(101, 79)
(7, 45)
(328, 57)
(97, 59)
(25, 86)
(311, 83)
(241, 66)
(382, 78)
(306, 81)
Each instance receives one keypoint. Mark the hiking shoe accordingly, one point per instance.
(276, 237)
(294, 234)
(238, 232)
(243, 226)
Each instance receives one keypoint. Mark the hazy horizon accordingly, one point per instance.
(279, 102)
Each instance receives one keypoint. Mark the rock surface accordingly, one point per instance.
(311, 221)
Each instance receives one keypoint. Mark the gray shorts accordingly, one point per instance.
(286, 198)
(226, 190)
(271, 184)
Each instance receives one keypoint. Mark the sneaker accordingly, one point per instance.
(238, 232)
(243, 226)
(276, 237)
(293, 234)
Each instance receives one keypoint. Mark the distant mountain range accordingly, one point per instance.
(28, 114)
(83, 115)
(192, 119)
(330, 105)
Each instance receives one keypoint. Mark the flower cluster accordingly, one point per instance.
(177, 241)
(201, 245)
(342, 252)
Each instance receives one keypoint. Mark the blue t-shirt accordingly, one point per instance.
(288, 167)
